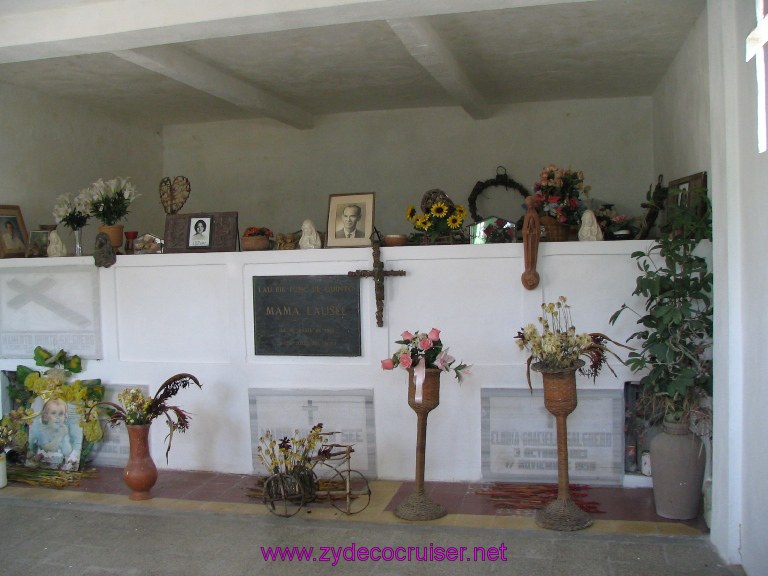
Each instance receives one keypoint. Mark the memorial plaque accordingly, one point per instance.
(348, 412)
(519, 437)
(306, 315)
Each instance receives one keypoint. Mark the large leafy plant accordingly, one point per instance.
(675, 332)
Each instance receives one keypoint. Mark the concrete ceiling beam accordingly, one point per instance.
(182, 67)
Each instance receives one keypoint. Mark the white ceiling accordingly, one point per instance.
(178, 61)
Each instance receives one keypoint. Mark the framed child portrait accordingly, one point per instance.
(55, 436)
(350, 220)
(13, 233)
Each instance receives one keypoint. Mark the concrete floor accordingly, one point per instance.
(62, 532)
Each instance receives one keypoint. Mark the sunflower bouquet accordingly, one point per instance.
(441, 221)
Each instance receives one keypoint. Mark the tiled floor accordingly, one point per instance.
(626, 510)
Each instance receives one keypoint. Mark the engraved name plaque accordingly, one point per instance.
(306, 315)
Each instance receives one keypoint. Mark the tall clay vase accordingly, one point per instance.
(423, 397)
(560, 401)
(140, 473)
(678, 459)
(115, 234)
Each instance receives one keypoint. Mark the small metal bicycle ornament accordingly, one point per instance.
(327, 475)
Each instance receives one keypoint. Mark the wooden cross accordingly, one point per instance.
(378, 274)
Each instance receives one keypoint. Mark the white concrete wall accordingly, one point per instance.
(49, 146)
(739, 528)
(171, 313)
(277, 176)
(681, 142)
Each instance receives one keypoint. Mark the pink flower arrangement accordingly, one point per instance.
(424, 350)
(558, 191)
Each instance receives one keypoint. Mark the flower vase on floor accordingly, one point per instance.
(140, 473)
(560, 400)
(423, 397)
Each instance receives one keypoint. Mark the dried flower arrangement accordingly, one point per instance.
(138, 409)
(559, 346)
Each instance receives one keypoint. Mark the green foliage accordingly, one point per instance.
(676, 328)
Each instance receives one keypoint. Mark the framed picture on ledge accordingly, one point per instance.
(13, 233)
(350, 220)
(201, 232)
(686, 192)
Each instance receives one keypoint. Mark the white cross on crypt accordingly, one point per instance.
(311, 409)
(34, 294)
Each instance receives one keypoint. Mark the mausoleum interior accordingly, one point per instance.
(276, 114)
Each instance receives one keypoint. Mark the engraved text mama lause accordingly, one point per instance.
(309, 311)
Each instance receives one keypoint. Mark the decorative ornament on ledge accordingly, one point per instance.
(440, 221)
(558, 200)
(501, 179)
(256, 238)
(174, 194)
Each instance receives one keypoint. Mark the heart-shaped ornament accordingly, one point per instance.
(173, 194)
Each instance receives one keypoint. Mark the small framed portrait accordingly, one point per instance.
(686, 192)
(38, 243)
(13, 233)
(55, 436)
(350, 220)
(201, 232)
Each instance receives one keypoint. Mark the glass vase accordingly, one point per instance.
(78, 242)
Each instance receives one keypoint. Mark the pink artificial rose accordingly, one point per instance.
(406, 336)
(434, 334)
(405, 360)
(443, 360)
(387, 364)
(425, 344)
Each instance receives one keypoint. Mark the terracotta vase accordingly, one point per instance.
(423, 397)
(115, 234)
(560, 400)
(140, 473)
(678, 458)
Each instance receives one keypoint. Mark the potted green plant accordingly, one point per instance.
(110, 203)
(674, 355)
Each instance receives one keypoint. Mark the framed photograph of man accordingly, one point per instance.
(13, 233)
(350, 220)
